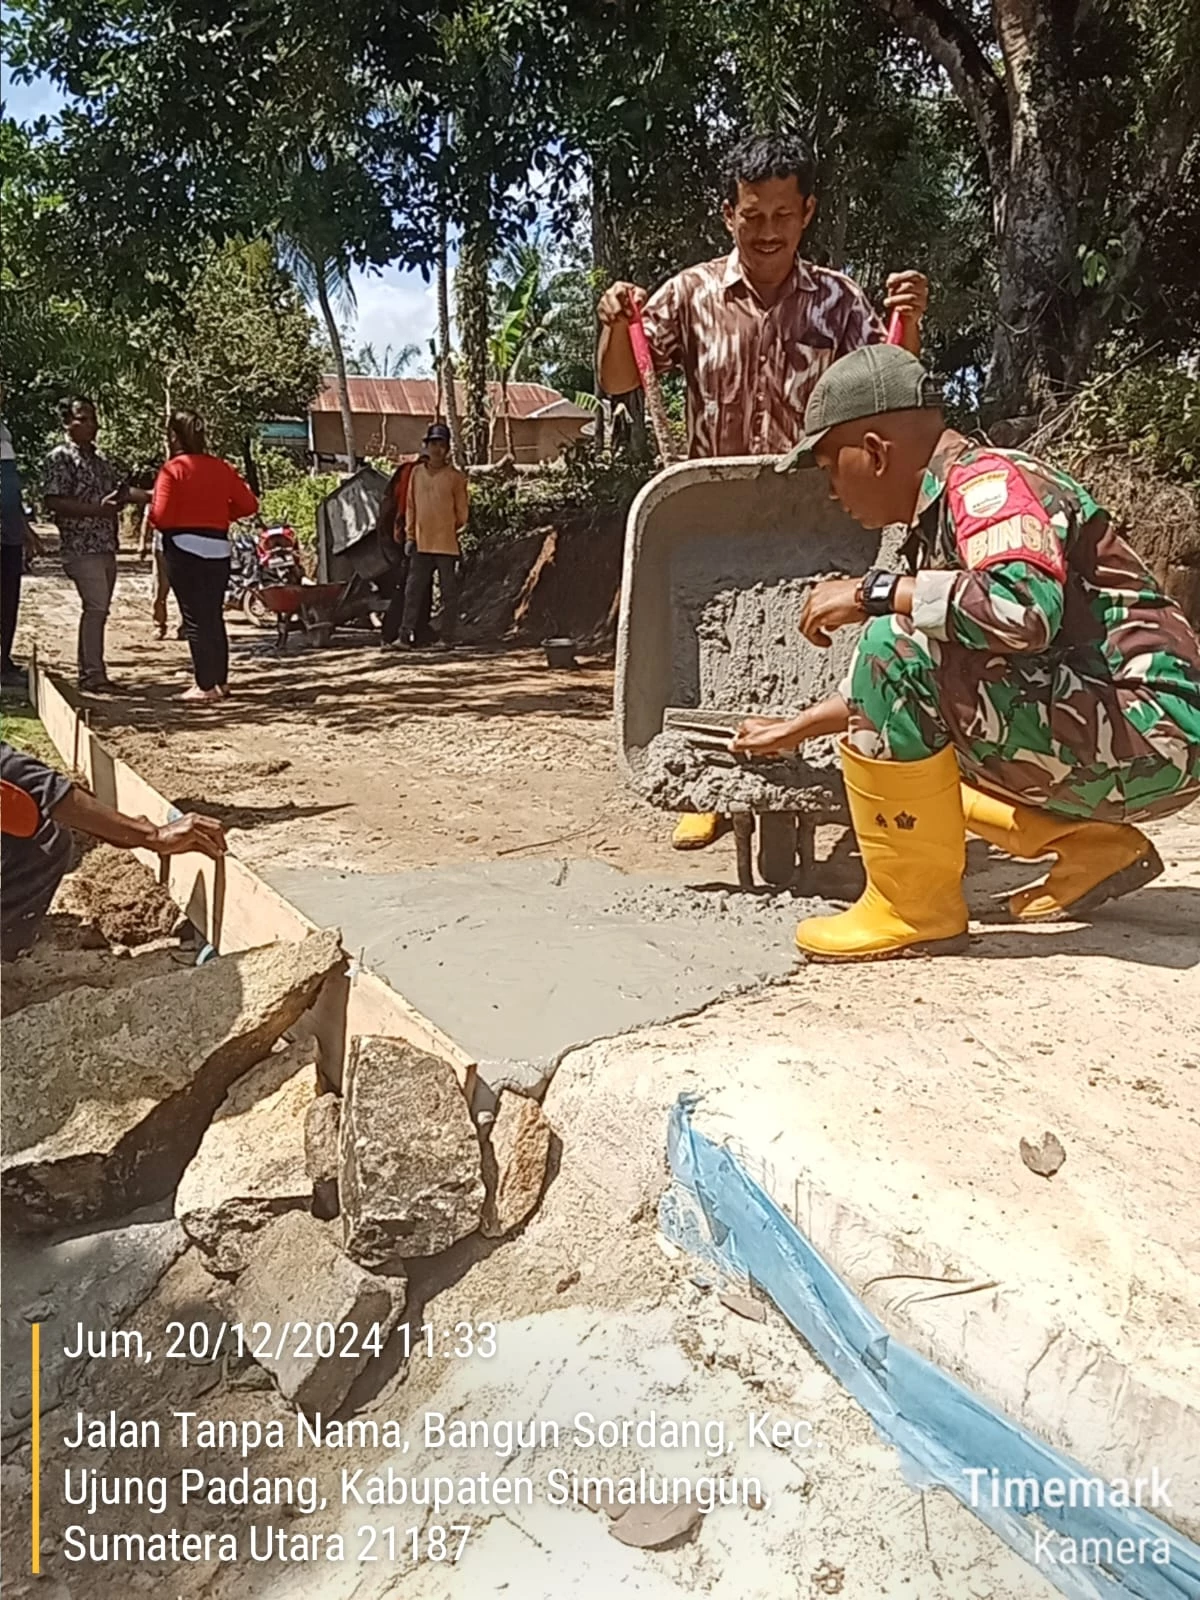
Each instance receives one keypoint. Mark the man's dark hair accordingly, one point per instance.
(66, 407)
(770, 155)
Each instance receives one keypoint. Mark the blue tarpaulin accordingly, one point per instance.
(946, 1437)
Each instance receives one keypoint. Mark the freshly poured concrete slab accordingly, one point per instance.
(521, 960)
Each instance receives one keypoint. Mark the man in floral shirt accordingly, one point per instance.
(753, 331)
(83, 493)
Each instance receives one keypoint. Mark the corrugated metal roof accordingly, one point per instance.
(416, 397)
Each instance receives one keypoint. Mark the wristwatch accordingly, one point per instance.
(876, 592)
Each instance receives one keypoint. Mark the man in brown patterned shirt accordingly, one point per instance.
(84, 491)
(753, 331)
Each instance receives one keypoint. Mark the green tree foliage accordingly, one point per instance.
(1085, 116)
(236, 344)
(526, 306)
(1038, 158)
(242, 348)
(1150, 412)
(391, 362)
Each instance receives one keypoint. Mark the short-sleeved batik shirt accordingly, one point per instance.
(77, 474)
(750, 368)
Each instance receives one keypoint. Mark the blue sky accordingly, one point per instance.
(394, 307)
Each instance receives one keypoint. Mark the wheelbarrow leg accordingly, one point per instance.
(806, 853)
(777, 841)
(743, 838)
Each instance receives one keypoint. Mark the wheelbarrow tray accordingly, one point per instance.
(719, 556)
(287, 599)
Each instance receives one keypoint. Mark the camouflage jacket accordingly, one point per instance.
(1013, 556)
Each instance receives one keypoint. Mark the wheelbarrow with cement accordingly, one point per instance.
(719, 556)
(316, 608)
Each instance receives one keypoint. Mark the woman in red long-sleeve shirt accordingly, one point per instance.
(196, 497)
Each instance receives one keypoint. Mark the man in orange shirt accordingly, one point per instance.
(435, 515)
(390, 527)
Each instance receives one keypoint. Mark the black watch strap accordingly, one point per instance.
(877, 592)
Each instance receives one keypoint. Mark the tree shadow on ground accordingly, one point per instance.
(1157, 927)
(246, 817)
(364, 690)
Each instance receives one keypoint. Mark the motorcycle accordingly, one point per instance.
(265, 559)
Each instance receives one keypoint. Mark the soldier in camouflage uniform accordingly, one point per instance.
(1029, 653)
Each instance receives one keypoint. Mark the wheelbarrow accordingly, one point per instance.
(316, 608)
(719, 556)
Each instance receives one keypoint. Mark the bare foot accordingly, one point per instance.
(203, 697)
(223, 690)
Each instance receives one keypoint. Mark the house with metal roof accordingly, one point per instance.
(391, 415)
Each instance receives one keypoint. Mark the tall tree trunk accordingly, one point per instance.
(509, 447)
(339, 364)
(472, 283)
(1035, 357)
(448, 393)
(1028, 124)
(837, 223)
(249, 465)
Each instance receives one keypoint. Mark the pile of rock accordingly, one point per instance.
(308, 1205)
(390, 1171)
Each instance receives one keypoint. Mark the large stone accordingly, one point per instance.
(108, 1093)
(411, 1181)
(514, 1163)
(250, 1166)
(321, 1152)
(296, 1275)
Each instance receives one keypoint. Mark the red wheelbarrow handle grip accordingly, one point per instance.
(641, 348)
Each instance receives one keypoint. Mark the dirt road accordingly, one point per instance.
(368, 759)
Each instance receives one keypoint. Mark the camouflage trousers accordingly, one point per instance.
(1031, 728)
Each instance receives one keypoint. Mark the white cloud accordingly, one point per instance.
(395, 308)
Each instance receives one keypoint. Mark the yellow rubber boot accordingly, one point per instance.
(695, 829)
(908, 817)
(1094, 861)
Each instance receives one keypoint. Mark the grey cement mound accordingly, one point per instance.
(522, 960)
(674, 773)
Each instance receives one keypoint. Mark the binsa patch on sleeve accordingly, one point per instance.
(998, 517)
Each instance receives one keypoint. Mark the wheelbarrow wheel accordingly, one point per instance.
(255, 611)
(320, 633)
(777, 847)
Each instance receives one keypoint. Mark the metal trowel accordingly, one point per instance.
(707, 731)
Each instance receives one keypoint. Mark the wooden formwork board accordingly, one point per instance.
(234, 908)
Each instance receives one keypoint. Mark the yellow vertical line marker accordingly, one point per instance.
(36, 1362)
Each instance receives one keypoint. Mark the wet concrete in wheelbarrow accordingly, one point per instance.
(520, 961)
(676, 775)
